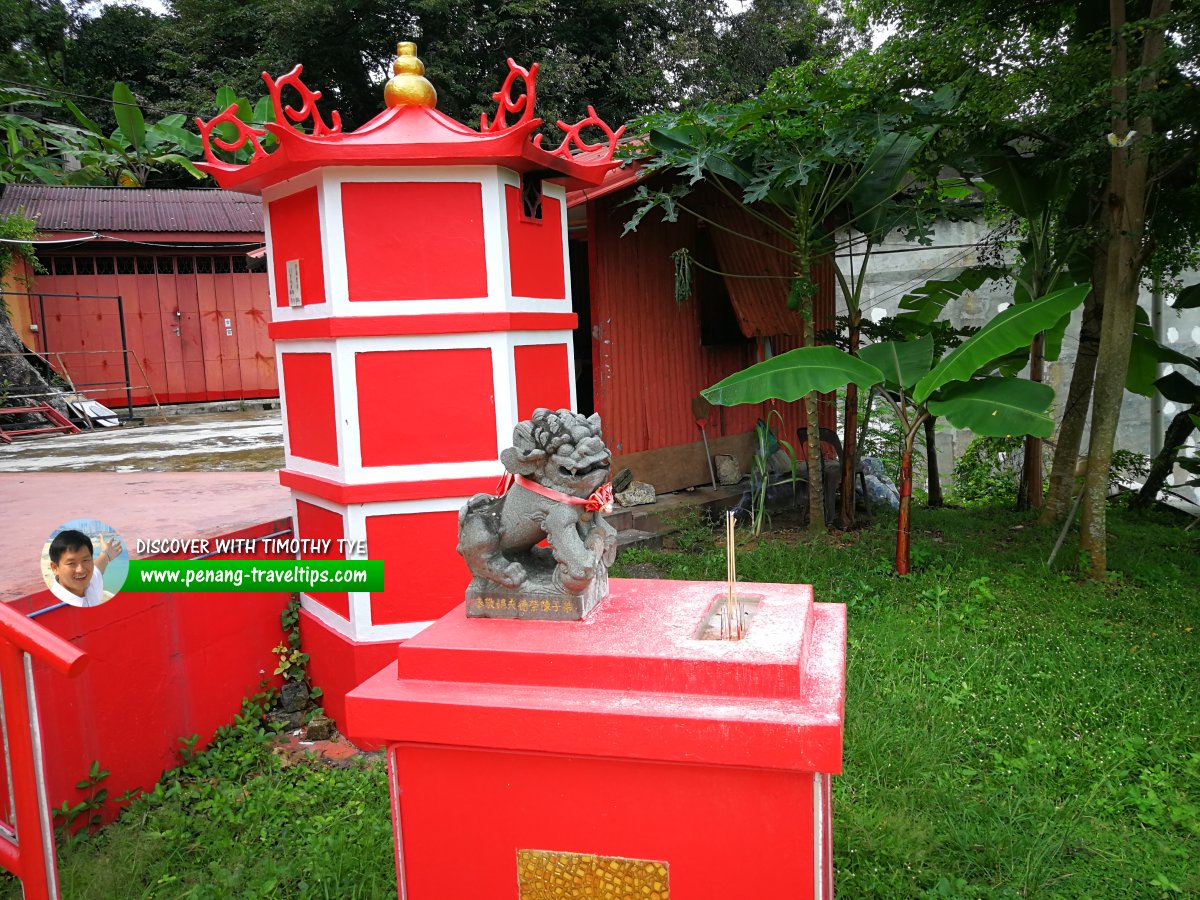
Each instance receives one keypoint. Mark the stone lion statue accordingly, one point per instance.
(558, 489)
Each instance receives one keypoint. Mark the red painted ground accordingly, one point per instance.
(147, 505)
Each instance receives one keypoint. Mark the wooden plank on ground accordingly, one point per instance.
(684, 465)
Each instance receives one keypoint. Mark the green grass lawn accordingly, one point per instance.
(1010, 732)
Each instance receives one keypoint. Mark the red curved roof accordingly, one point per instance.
(406, 136)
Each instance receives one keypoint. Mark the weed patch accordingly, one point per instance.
(234, 821)
(1011, 731)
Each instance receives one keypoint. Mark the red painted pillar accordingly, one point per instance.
(420, 308)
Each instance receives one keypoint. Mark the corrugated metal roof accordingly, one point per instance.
(62, 208)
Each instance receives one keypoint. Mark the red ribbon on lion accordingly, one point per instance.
(600, 500)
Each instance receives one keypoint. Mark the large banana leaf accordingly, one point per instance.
(1145, 356)
(1188, 298)
(902, 363)
(997, 407)
(1178, 389)
(926, 303)
(1013, 328)
(792, 375)
(1023, 185)
(129, 115)
(880, 178)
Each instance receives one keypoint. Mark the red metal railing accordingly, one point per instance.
(27, 839)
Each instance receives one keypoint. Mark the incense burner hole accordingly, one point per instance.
(711, 626)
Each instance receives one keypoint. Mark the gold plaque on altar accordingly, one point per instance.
(551, 875)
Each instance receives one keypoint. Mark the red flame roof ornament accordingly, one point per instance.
(410, 131)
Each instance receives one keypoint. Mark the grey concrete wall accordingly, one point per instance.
(904, 266)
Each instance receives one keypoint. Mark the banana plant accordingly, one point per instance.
(128, 156)
(960, 386)
(1146, 355)
(31, 147)
(1051, 208)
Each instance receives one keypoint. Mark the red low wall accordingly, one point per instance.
(162, 667)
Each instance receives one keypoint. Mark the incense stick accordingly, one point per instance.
(732, 626)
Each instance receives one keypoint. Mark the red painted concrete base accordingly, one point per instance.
(622, 736)
(162, 667)
(337, 664)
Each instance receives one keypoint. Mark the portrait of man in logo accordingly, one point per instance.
(84, 563)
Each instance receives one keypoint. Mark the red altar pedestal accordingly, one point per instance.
(621, 754)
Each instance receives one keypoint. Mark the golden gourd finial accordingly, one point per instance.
(409, 86)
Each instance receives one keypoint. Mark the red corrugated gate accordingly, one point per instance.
(195, 322)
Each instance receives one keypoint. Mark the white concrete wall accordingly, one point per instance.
(904, 266)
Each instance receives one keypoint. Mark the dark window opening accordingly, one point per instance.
(581, 304)
(221, 264)
(63, 265)
(145, 265)
(126, 265)
(105, 266)
(531, 197)
(166, 265)
(240, 263)
(85, 265)
(204, 265)
(185, 265)
(718, 322)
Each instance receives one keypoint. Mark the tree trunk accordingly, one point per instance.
(903, 556)
(1127, 219)
(816, 466)
(1074, 415)
(931, 465)
(1029, 493)
(850, 434)
(1178, 431)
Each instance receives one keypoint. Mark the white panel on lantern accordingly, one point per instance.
(502, 374)
(326, 615)
(302, 463)
(277, 192)
(357, 514)
(557, 192)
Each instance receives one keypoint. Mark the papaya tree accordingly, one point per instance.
(960, 386)
(820, 162)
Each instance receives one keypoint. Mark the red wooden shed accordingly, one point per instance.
(169, 269)
(649, 356)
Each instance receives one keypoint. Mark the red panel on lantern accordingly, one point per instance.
(311, 421)
(543, 378)
(426, 406)
(423, 575)
(535, 249)
(414, 240)
(315, 523)
(296, 234)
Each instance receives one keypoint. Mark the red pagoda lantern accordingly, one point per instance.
(420, 308)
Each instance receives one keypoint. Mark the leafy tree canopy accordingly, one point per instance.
(625, 57)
